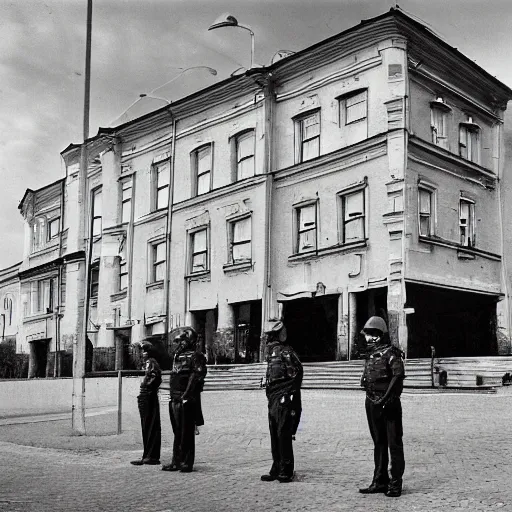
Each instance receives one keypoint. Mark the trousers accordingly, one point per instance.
(385, 425)
(183, 422)
(149, 410)
(282, 421)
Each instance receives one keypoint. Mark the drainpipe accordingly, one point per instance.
(56, 370)
(129, 244)
(168, 235)
(504, 273)
(269, 136)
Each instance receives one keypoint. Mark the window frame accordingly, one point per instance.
(154, 262)
(122, 188)
(231, 239)
(342, 222)
(194, 160)
(94, 282)
(471, 146)
(192, 252)
(470, 226)
(123, 273)
(440, 108)
(156, 169)
(235, 144)
(300, 140)
(432, 191)
(342, 106)
(298, 231)
(94, 218)
(51, 222)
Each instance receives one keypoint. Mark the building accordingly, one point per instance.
(359, 176)
(9, 304)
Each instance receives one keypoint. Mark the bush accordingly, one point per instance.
(12, 365)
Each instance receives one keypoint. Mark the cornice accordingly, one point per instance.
(477, 174)
(332, 162)
(220, 192)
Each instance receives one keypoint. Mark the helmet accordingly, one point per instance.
(147, 346)
(377, 323)
(277, 331)
(187, 338)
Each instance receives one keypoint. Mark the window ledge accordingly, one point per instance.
(155, 215)
(37, 317)
(119, 295)
(155, 286)
(93, 302)
(327, 251)
(45, 250)
(463, 252)
(199, 276)
(237, 267)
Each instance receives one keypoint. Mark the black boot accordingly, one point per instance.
(374, 488)
(394, 489)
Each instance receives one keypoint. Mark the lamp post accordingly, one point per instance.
(228, 20)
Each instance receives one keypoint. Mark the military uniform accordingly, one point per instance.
(149, 410)
(283, 382)
(186, 382)
(385, 417)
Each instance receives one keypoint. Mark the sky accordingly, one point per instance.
(138, 45)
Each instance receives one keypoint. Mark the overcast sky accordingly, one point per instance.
(139, 44)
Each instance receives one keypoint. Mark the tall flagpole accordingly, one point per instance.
(79, 347)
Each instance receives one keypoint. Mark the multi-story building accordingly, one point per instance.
(359, 176)
(9, 304)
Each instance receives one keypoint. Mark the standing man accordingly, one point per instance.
(283, 382)
(187, 377)
(383, 380)
(149, 408)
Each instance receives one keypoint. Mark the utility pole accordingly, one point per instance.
(79, 346)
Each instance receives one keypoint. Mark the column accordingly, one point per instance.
(224, 346)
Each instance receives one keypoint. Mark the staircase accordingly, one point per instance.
(461, 373)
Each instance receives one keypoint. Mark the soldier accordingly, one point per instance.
(283, 382)
(383, 380)
(149, 408)
(187, 377)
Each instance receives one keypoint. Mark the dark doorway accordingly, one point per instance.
(247, 331)
(205, 323)
(456, 323)
(39, 358)
(312, 327)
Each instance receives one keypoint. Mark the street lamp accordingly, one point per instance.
(228, 20)
(119, 119)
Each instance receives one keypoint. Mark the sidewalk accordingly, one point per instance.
(457, 448)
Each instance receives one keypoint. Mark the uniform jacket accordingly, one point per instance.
(284, 371)
(382, 364)
(187, 374)
(152, 376)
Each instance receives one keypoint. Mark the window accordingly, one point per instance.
(199, 251)
(38, 234)
(40, 297)
(244, 144)
(439, 122)
(126, 200)
(8, 310)
(469, 140)
(96, 213)
(201, 160)
(353, 216)
(240, 240)
(94, 281)
(425, 208)
(123, 275)
(53, 228)
(467, 222)
(307, 135)
(161, 176)
(306, 225)
(158, 260)
(354, 107)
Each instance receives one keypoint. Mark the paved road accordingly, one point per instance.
(458, 457)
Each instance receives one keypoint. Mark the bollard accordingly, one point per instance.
(119, 401)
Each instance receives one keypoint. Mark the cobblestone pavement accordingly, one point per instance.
(458, 452)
